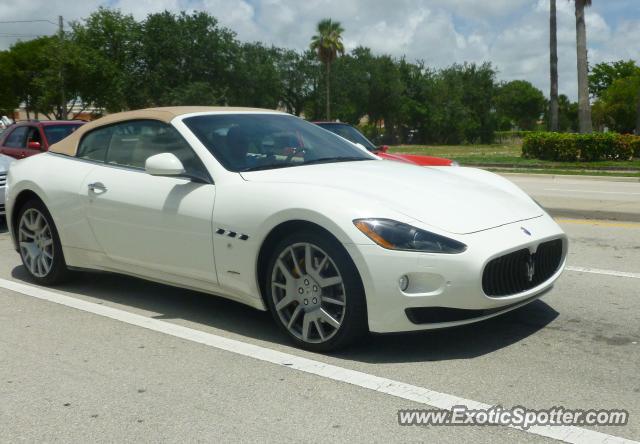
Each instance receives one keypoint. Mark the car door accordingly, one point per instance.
(160, 227)
(15, 142)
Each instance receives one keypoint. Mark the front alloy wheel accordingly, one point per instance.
(308, 292)
(315, 293)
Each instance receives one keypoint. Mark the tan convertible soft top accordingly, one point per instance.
(69, 145)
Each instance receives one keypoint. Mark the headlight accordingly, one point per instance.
(395, 235)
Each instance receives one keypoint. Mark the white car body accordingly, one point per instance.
(5, 162)
(174, 231)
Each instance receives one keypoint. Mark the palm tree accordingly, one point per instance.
(584, 107)
(553, 51)
(327, 43)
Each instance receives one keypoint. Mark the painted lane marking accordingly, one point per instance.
(592, 191)
(598, 223)
(625, 274)
(570, 434)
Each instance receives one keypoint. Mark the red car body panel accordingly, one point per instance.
(416, 159)
(16, 139)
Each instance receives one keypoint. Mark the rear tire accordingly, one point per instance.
(314, 292)
(39, 244)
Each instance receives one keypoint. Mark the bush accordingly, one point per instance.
(634, 144)
(550, 146)
(565, 147)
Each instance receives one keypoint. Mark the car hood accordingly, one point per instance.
(457, 200)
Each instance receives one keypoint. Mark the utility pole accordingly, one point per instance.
(63, 100)
(553, 51)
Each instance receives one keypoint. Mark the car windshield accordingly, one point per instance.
(249, 142)
(55, 133)
(349, 133)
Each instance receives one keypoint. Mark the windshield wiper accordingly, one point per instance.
(334, 159)
(309, 162)
(267, 167)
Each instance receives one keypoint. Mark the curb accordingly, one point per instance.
(574, 177)
(593, 214)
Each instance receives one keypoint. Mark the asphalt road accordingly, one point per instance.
(73, 376)
(584, 196)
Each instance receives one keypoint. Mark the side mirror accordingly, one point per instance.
(164, 164)
(384, 148)
(34, 145)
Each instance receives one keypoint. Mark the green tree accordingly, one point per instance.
(584, 107)
(36, 80)
(416, 104)
(298, 77)
(521, 103)
(618, 104)
(327, 44)
(462, 97)
(193, 94)
(9, 93)
(80, 83)
(351, 75)
(26, 61)
(601, 79)
(256, 79)
(479, 83)
(113, 38)
(181, 49)
(604, 74)
(385, 91)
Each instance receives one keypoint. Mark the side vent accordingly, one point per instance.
(232, 234)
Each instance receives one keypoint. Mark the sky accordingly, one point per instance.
(511, 34)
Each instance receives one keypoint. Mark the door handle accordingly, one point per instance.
(97, 187)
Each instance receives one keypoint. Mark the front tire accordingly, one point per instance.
(314, 292)
(39, 244)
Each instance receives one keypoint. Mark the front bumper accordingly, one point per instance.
(447, 281)
(2, 200)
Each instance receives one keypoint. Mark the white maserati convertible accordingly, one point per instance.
(266, 209)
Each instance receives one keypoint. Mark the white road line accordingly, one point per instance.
(591, 191)
(398, 389)
(625, 274)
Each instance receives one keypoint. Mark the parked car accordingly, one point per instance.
(30, 137)
(274, 212)
(5, 122)
(5, 161)
(352, 134)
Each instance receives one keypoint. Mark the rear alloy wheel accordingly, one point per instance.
(39, 244)
(315, 294)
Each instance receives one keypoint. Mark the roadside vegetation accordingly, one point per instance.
(111, 61)
(508, 158)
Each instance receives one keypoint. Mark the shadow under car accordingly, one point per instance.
(462, 342)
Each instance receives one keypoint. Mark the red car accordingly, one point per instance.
(31, 137)
(352, 134)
